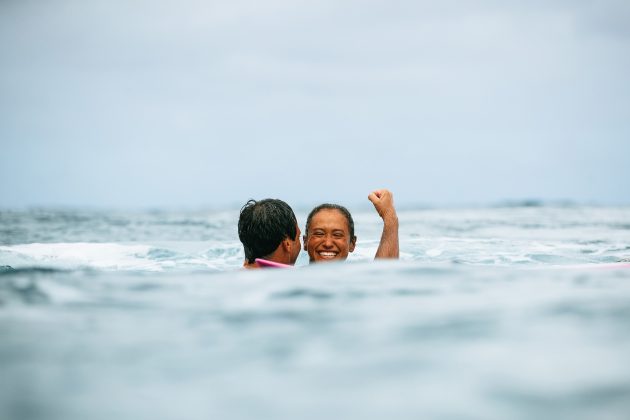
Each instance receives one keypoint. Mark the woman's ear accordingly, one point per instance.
(353, 243)
(305, 240)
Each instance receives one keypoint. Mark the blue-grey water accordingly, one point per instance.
(491, 313)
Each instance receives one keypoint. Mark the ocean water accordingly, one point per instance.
(491, 313)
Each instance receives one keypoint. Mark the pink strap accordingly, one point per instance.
(266, 263)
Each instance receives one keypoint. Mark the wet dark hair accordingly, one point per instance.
(263, 225)
(328, 206)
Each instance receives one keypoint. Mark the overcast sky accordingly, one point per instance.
(206, 104)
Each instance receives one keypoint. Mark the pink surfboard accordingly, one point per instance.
(266, 263)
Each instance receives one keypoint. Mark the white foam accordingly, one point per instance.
(434, 252)
(103, 256)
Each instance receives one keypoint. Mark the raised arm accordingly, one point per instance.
(383, 201)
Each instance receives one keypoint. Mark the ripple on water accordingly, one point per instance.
(22, 289)
(460, 328)
(303, 293)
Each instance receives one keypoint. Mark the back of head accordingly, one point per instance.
(263, 225)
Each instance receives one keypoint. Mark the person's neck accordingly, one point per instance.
(276, 256)
(249, 265)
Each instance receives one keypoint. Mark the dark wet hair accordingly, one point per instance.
(328, 206)
(263, 225)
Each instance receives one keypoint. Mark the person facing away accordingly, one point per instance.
(268, 229)
(329, 233)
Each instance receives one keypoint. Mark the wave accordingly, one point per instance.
(112, 257)
(227, 256)
(7, 270)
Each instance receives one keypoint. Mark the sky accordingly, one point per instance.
(196, 104)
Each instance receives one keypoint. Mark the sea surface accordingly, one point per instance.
(513, 312)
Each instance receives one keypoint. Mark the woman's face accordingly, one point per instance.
(328, 237)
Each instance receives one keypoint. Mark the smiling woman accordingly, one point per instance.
(329, 233)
